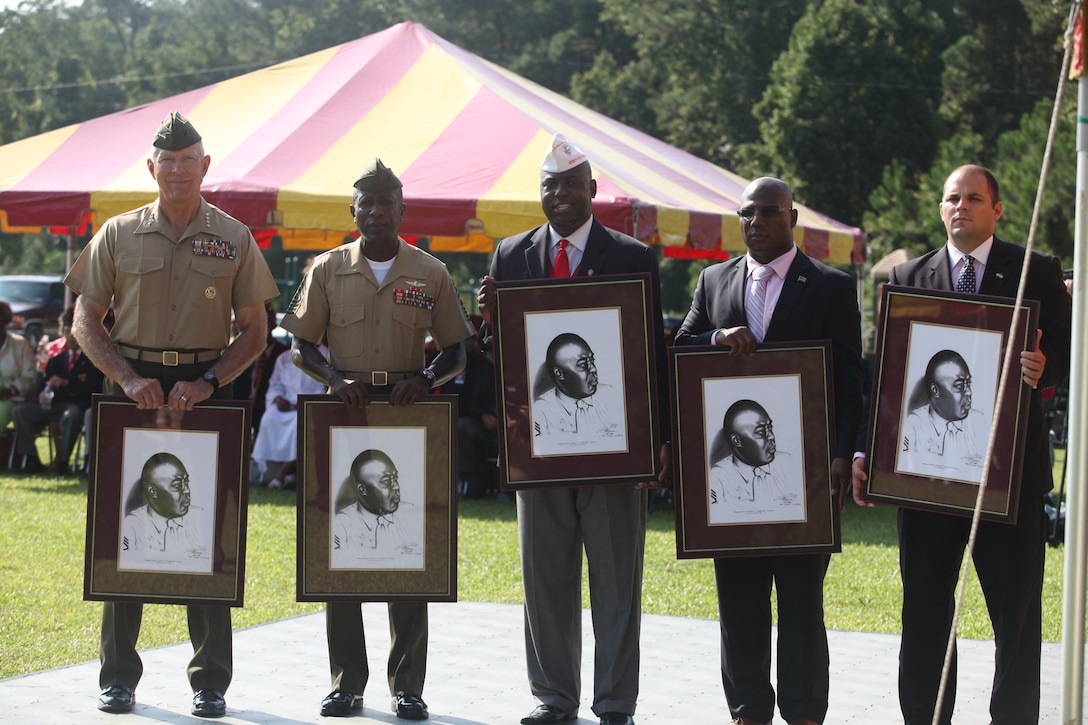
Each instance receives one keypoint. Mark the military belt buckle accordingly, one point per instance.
(170, 358)
(379, 377)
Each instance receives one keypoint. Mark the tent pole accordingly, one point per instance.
(68, 261)
(1076, 447)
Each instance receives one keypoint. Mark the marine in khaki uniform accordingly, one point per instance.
(172, 270)
(375, 300)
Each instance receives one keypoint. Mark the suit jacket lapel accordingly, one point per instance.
(938, 273)
(596, 251)
(1001, 270)
(734, 293)
(793, 289)
(536, 254)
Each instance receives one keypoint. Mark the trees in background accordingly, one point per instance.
(862, 105)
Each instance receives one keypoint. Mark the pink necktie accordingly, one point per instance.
(756, 303)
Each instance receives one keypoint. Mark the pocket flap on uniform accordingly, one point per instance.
(140, 265)
(344, 315)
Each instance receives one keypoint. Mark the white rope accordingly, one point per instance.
(1010, 351)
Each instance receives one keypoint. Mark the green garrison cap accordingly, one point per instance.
(378, 179)
(175, 133)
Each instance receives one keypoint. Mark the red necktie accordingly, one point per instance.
(561, 268)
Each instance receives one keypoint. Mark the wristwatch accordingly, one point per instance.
(211, 378)
(429, 374)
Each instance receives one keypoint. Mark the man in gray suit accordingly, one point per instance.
(775, 293)
(554, 524)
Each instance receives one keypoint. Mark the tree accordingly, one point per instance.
(701, 66)
(849, 96)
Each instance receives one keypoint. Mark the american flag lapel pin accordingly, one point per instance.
(802, 278)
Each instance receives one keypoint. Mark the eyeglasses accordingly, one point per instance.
(749, 213)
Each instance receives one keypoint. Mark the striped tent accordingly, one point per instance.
(465, 136)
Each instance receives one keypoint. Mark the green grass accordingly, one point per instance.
(45, 623)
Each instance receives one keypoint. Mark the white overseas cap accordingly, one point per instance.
(563, 156)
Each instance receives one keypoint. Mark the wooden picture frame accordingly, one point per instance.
(593, 426)
(346, 552)
(924, 450)
(752, 450)
(167, 503)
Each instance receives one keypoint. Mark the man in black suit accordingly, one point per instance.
(555, 523)
(1008, 559)
(802, 299)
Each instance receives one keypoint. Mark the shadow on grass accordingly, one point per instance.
(261, 496)
(487, 509)
(38, 483)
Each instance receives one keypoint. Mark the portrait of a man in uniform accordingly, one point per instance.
(375, 527)
(944, 435)
(752, 482)
(162, 529)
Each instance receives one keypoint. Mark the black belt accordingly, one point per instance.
(169, 358)
(378, 377)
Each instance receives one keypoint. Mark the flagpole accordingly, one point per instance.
(1073, 607)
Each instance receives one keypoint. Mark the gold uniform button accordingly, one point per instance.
(209, 292)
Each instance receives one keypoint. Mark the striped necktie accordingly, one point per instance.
(756, 302)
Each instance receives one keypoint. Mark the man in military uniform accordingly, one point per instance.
(376, 299)
(173, 270)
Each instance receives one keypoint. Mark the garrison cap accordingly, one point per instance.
(563, 156)
(378, 179)
(175, 133)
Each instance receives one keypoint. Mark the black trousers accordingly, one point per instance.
(1009, 562)
(209, 627)
(744, 609)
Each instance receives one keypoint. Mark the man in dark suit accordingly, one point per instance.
(609, 520)
(1008, 559)
(801, 299)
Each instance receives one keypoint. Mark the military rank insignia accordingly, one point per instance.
(211, 247)
(413, 297)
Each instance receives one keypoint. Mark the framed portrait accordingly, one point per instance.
(935, 385)
(752, 451)
(166, 507)
(576, 378)
(377, 508)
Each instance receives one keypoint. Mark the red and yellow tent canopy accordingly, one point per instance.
(465, 136)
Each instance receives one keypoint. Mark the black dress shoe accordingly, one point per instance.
(410, 707)
(340, 703)
(545, 715)
(617, 718)
(117, 698)
(209, 703)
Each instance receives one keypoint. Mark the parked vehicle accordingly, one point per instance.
(37, 301)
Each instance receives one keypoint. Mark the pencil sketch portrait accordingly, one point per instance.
(948, 405)
(378, 498)
(576, 368)
(168, 505)
(755, 467)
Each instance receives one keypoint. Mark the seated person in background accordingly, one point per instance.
(64, 394)
(276, 442)
(252, 383)
(48, 348)
(17, 366)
